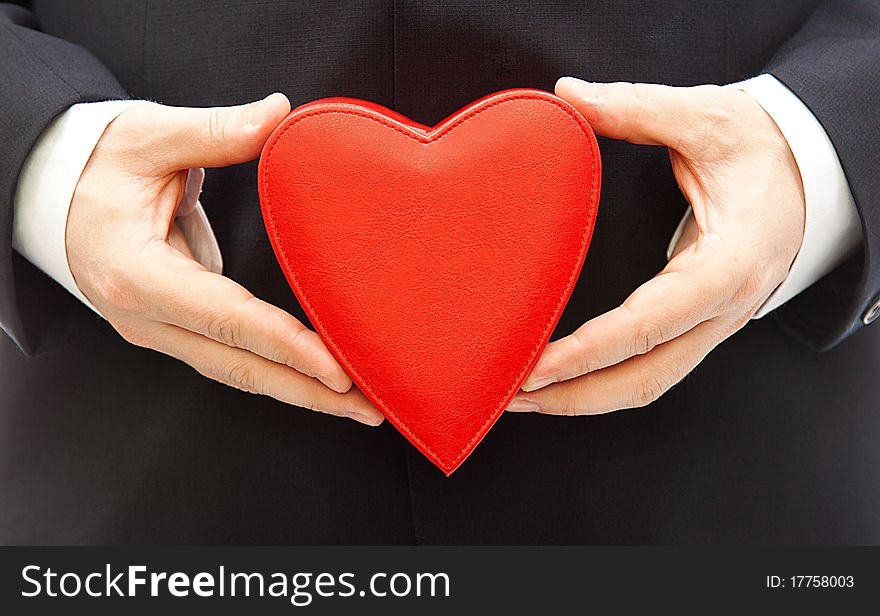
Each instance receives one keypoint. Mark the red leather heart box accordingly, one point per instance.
(433, 261)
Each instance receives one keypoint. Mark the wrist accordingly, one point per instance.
(47, 183)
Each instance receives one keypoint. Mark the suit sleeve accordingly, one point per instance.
(833, 65)
(42, 76)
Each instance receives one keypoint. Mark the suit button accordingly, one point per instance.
(872, 313)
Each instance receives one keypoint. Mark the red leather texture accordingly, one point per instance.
(434, 262)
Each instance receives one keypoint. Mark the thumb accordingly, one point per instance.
(642, 113)
(219, 136)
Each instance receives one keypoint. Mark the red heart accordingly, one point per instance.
(434, 262)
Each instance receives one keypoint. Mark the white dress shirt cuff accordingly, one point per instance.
(47, 183)
(832, 228)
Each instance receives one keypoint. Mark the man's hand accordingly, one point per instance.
(131, 261)
(735, 168)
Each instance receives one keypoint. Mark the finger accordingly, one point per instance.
(647, 114)
(243, 370)
(184, 294)
(688, 292)
(634, 383)
(213, 136)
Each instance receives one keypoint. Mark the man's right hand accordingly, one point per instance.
(132, 262)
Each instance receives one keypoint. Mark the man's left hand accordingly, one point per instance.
(736, 170)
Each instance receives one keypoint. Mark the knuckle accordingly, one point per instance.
(132, 334)
(242, 376)
(216, 126)
(132, 125)
(649, 387)
(114, 288)
(310, 405)
(719, 112)
(568, 405)
(299, 342)
(132, 136)
(716, 107)
(636, 96)
(647, 333)
(587, 360)
(750, 286)
(754, 283)
(225, 328)
(742, 320)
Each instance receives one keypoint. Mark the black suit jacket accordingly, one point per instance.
(767, 441)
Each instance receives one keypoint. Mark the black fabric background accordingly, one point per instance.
(766, 442)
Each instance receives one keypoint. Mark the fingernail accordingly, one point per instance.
(539, 383)
(259, 109)
(334, 385)
(521, 405)
(364, 419)
(585, 90)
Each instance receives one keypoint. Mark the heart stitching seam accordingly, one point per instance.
(433, 136)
